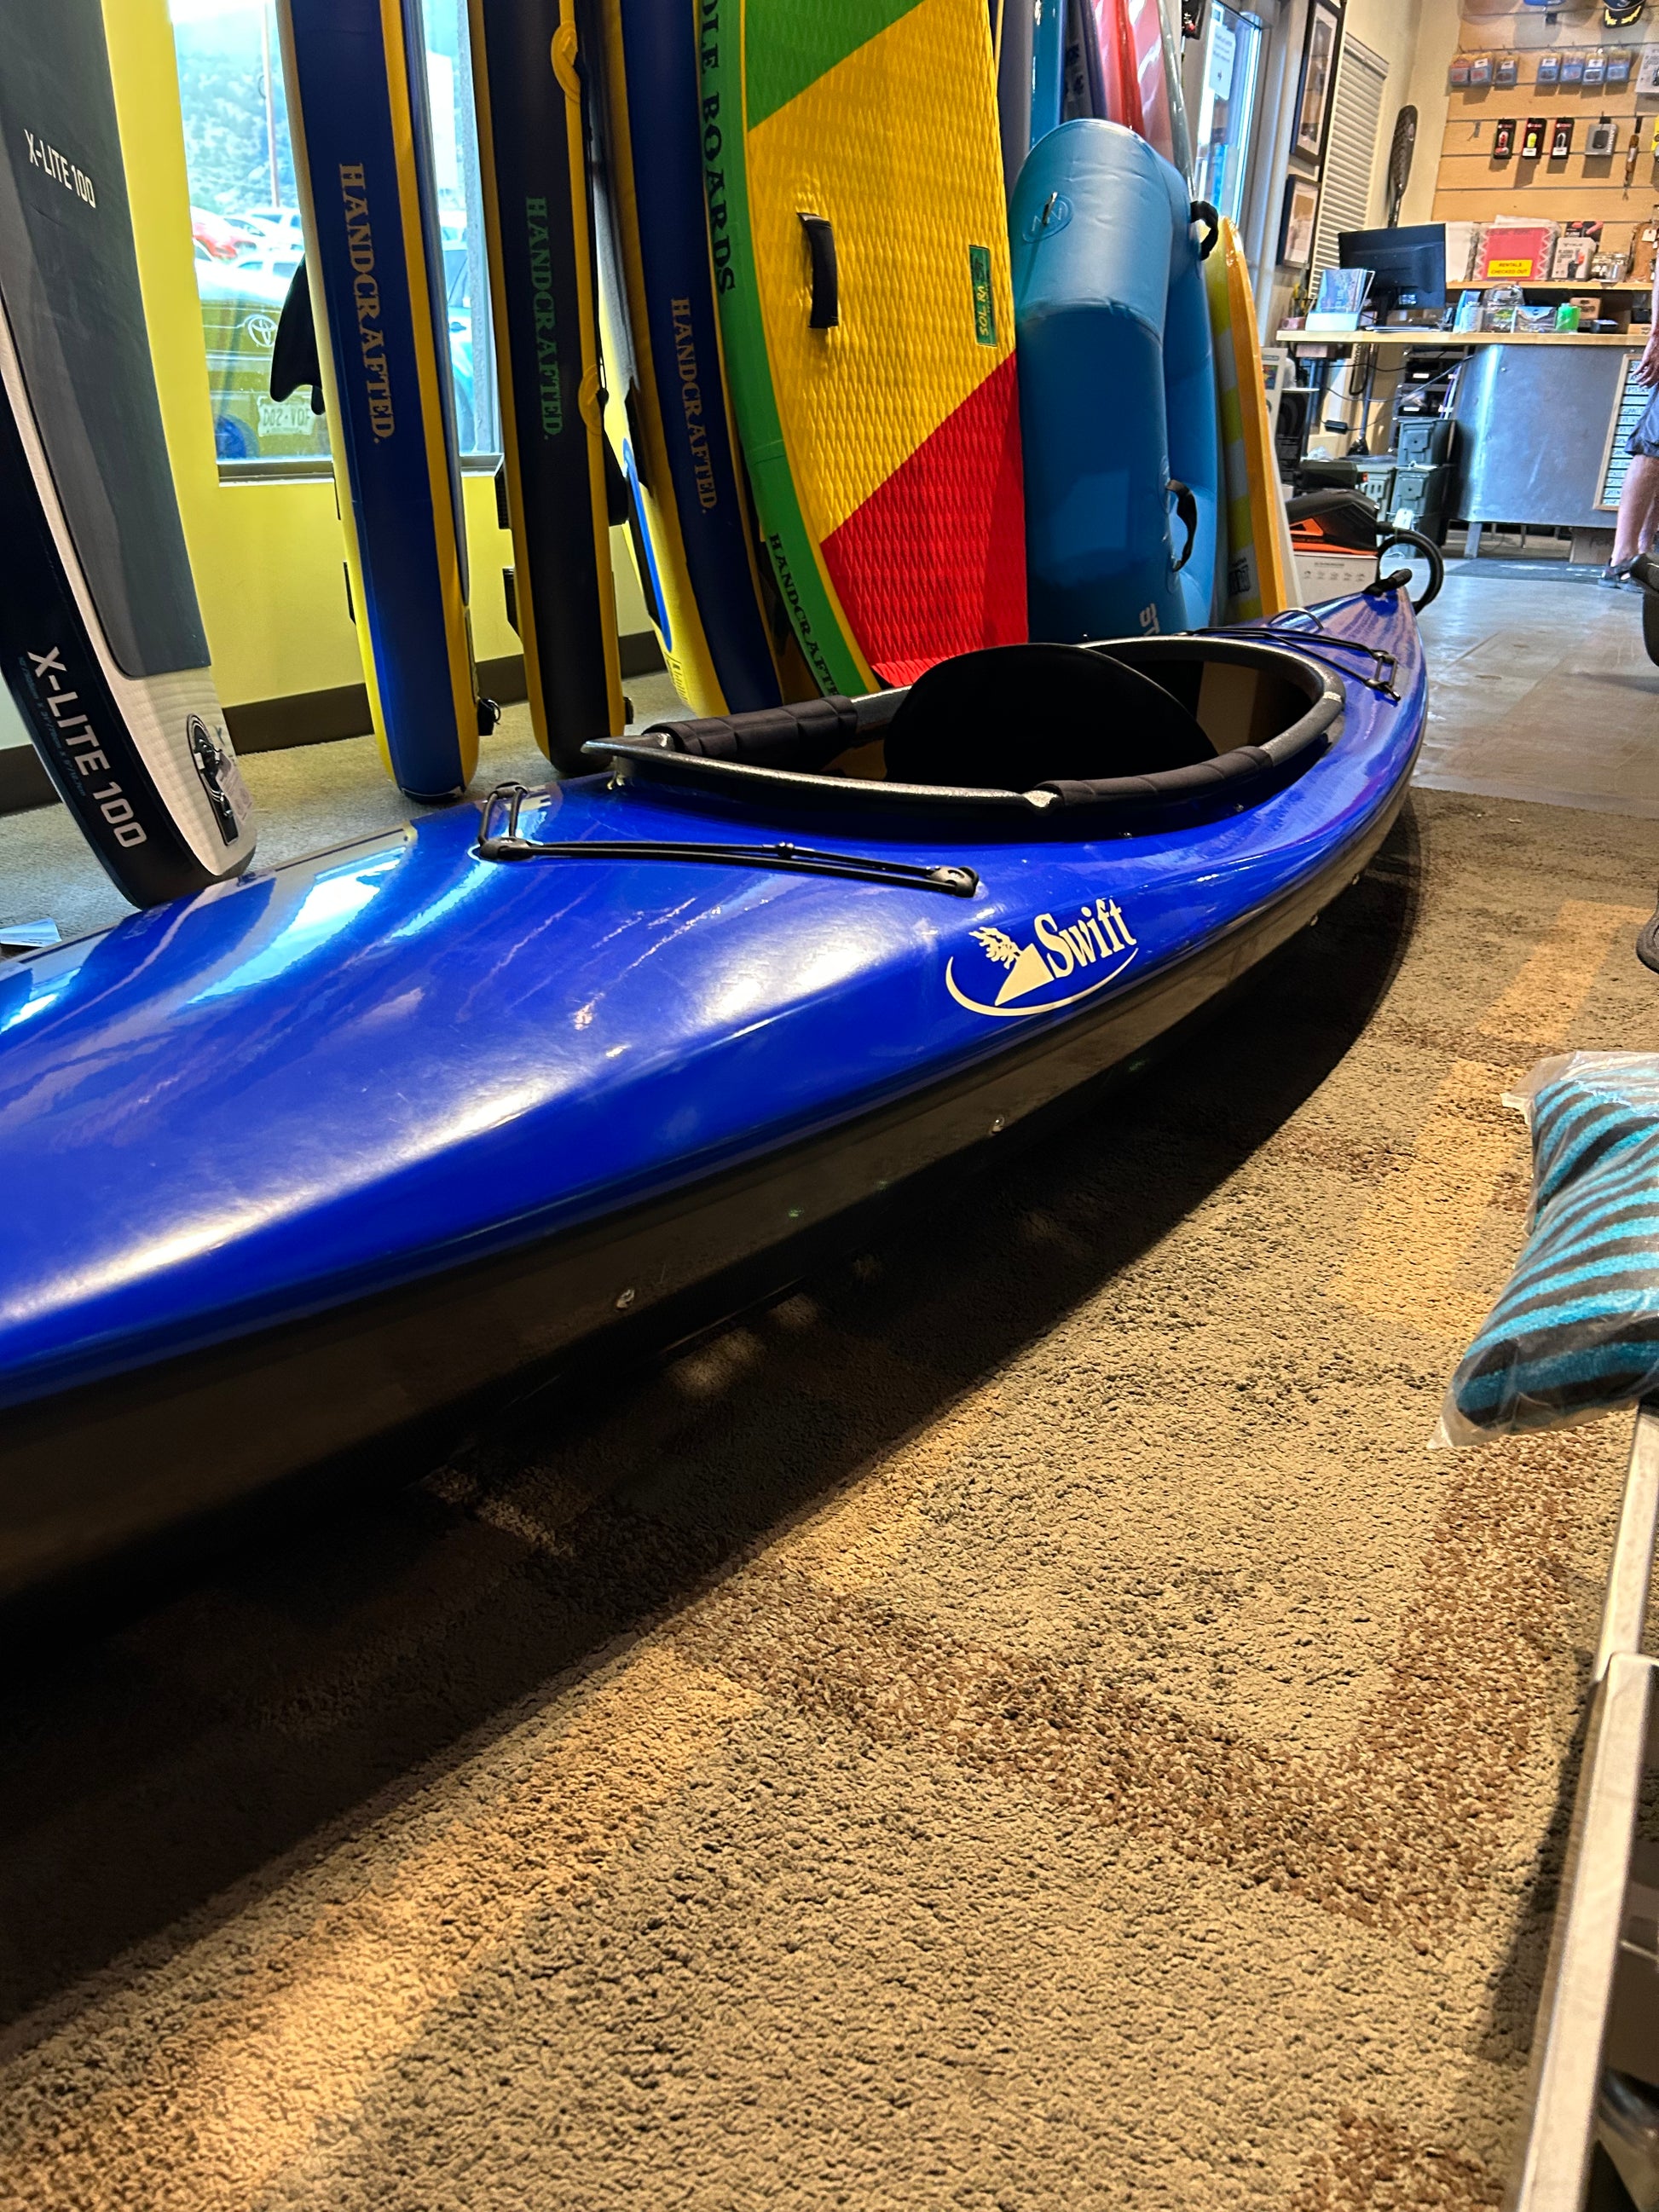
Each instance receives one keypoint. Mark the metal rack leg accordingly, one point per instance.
(1572, 2017)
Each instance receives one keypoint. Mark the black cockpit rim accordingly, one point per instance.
(1113, 805)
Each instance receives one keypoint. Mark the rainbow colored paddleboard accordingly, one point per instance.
(858, 229)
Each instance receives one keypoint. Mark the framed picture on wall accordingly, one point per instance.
(1318, 70)
(1296, 232)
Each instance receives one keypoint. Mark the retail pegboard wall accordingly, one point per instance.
(1476, 180)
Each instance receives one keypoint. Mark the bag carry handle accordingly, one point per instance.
(1204, 213)
(826, 276)
(1186, 510)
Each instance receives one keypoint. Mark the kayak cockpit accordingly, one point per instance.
(1090, 737)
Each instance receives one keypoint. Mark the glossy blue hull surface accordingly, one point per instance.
(362, 1072)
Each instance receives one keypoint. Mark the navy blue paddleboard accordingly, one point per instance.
(530, 83)
(670, 414)
(101, 641)
(355, 74)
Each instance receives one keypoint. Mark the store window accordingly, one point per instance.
(245, 220)
(1226, 107)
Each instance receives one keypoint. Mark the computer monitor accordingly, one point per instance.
(1409, 263)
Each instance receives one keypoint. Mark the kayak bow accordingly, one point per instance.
(316, 1157)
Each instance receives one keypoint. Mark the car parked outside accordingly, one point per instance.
(242, 303)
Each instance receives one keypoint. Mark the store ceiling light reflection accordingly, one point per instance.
(335, 900)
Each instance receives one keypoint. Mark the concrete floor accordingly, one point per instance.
(306, 798)
(1541, 690)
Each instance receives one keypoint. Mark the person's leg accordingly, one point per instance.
(1638, 508)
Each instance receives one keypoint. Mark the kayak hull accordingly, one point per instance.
(85, 1472)
(484, 1114)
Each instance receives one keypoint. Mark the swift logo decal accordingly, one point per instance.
(1067, 961)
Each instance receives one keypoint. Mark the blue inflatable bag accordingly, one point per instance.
(1117, 400)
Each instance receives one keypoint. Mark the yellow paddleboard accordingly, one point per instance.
(1261, 568)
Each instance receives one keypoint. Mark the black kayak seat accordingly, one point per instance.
(1020, 716)
(1087, 735)
(1010, 717)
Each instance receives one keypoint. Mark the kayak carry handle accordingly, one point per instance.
(1186, 511)
(826, 273)
(1201, 211)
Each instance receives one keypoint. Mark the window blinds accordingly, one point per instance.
(1345, 189)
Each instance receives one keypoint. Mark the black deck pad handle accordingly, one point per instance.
(1013, 716)
(826, 272)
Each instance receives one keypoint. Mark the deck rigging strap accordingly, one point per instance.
(1309, 639)
(507, 844)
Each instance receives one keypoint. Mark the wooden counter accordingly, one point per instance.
(1631, 343)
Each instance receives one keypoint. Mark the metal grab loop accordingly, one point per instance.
(1186, 510)
(507, 844)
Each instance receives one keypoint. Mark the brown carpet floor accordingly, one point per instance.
(1025, 1722)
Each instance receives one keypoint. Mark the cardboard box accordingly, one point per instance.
(1328, 575)
(1462, 239)
(1576, 250)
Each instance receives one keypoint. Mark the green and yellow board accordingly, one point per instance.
(859, 228)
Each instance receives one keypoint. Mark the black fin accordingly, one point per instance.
(293, 358)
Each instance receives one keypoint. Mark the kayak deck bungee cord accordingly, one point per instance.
(860, 233)
(357, 100)
(530, 85)
(101, 641)
(670, 419)
(667, 1020)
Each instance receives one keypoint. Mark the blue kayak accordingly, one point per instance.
(330, 1151)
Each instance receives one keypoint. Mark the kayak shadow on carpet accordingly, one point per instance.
(166, 1745)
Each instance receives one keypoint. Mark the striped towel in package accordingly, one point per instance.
(1575, 1333)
